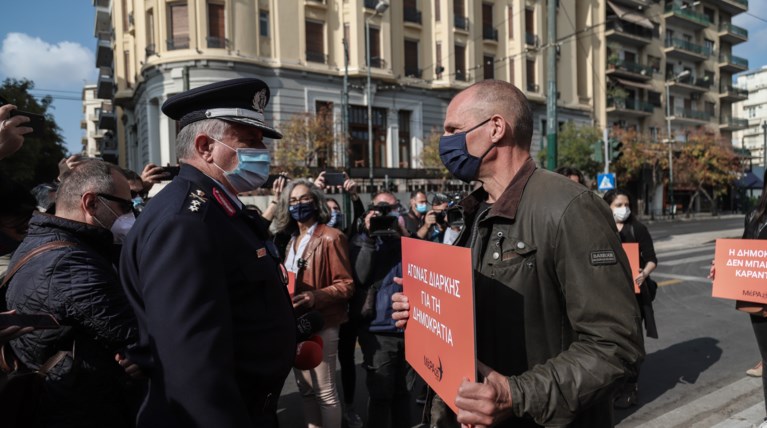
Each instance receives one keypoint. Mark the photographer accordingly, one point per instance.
(376, 251)
(435, 221)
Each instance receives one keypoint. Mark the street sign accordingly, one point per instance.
(605, 181)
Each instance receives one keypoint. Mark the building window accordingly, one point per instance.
(511, 72)
(460, 62)
(530, 75)
(358, 133)
(710, 108)
(126, 15)
(263, 23)
(488, 63)
(654, 63)
(436, 10)
(375, 48)
(654, 98)
(315, 42)
(411, 59)
(216, 25)
(126, 68)
(654, 133)
(510, 20)
(709, 45)
(178, 26)
(403, 117)
(488, 31)
(529, 26)
(151, 48)
(324, 112)
(709, 14)
(438, 69)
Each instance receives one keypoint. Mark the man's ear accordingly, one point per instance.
(203, 146)
(89, 203)
(500, 127)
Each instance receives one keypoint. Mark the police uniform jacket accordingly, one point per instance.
(555, 306)
(217, 330)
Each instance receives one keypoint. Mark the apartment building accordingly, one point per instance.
(98, 123)
(421, 53)
(754, 110)
(672, 62)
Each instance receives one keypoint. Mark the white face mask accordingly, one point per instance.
(122, 226)
(621, 214)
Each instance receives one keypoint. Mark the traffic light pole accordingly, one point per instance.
(606, 141)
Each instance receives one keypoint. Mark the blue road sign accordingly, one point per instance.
(606, 181)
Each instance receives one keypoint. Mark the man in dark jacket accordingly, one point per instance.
(79, 286)
(211, 301)
(557, 323)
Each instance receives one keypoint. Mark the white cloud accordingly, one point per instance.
(52, 66)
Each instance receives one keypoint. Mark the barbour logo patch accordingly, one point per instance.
(604, 257)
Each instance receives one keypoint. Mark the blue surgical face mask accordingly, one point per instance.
(302, 212)
(455, 155)
(336, 219)
(421, 208)
(252, 168)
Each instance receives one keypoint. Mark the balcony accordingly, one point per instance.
(178, 42)
(628, 69)
(461, 22)
(104, 53)
(217, 42)
(150, 50)
(531, 40)
(489, 33)
(411, 15)
(107, 120)
(370, 4)
(732, 63)
(733, 7)
(690, 84)
(533, 87)
(732, 34)
(629, 107)
(627, 33)
(413, 72)
(687, 51)
(676, 14)
(634, 3)
(105, 88)
(732, 94)
(692, 117)
(320, 4)
(727, 123)
(318, 57)
(103, 23)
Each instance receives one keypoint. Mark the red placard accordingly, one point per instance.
(291, 283)
(632, 252)
(741, 270)
(439, 338)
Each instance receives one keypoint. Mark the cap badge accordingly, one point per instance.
(259, 101)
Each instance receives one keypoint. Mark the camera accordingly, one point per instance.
(383, 208)
(384, 224)
(441, 216)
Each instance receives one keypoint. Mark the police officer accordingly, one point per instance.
(217, 330)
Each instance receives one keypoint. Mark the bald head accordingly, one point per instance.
(488, 97)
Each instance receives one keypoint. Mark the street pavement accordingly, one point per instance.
(694, 374)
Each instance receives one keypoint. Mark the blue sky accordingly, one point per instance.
(52, 43)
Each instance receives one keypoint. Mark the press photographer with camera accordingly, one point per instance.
(376, 252)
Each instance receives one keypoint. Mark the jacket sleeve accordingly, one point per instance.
(363, 258)
(646, 247)
(341, 285)
(94, 300)
(188, 311)
(600, 307)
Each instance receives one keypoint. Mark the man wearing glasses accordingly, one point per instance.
(77, 284)
(215, 319)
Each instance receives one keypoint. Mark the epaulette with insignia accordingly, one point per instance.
(196, 200)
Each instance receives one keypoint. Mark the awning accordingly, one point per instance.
(639, 85)
(631, 17)
(749, 181)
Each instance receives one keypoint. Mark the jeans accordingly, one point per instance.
(760, 331)
(317, 386)
(389, 402)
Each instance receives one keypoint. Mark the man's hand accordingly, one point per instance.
(320, 180)
(131, 369)
(430, 219)
(350, 186)
(11, 131)
(712, 271)
(279, 185)
(303, 300)
(14, 331)
(368, 216)
(639, 279)
(151, 175)
(484, 404)
(400, 307)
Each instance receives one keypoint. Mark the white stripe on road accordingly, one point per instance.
(686, 251)
(682, 277)
(687, 260)
(748, 418)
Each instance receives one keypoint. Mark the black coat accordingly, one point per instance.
(80, 287)
(217, 333)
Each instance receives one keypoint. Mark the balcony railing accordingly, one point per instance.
(734, 29)
(370, 4)
(630, 104)
(629, 28)
(729, 89)
(489, 33)
(150, 50)
(179, 42)
(531, 39)
(377, 62)
(687, 13)
(733, 122)
(632, 67)
(319, 57)
(461, 22)
(732, 59)
(411, 14)
(413, 72)
(692, 114)
(688, 46)
(216, 42)
(532, 87)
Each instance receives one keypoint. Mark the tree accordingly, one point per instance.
(706, 165)
(307, 142)
(430, 155)
(575, 147)
(641, 153)
(37, 160)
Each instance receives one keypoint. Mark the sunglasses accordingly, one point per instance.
(125, 205)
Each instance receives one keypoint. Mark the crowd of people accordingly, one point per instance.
(191, 308)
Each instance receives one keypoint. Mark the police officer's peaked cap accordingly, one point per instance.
(237, 100)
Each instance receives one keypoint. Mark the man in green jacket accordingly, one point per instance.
(557, 323)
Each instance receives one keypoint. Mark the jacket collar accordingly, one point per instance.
(507, 204)
(207, 184)
(95, 236)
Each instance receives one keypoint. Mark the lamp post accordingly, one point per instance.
(684, 73)
(379, 10)
(764, 149)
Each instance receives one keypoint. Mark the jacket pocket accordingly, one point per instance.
(515, 266)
